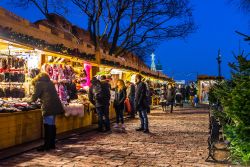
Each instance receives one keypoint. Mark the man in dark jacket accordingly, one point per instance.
(51, 106)
(170, 97)
(141, 103)
(131, 95)
(187, 93)
(149, 95)
(183, 92)
(99, 95)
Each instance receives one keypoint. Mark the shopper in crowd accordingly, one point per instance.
(187, 93)
(120, 96)
(196, 101)
(149, 95)
(163, 97)
(178, 98)
(183, 92)
(45, 90)
(170, 97)
(131, 96)
(141, 103)
(192, 93)
(105, 80)
(99, 95)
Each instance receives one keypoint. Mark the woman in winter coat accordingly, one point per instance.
(163, 97)
(120, 96)
(45, 90)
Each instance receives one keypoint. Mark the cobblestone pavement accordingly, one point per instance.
(178, 139)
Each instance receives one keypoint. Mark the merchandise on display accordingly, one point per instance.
(65, 79)
(71, 80)
(77, 107)
(17, 105)
(14, 74)
(18, 66)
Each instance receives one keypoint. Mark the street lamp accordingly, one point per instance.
(219, 63)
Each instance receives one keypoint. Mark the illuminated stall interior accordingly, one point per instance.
(114, 74)
(20, 64)
(17, 66)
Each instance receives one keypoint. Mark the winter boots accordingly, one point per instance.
(49, 138)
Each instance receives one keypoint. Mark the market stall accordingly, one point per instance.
(72, 81)
(71, 61)
(204, 84)
(21, 121)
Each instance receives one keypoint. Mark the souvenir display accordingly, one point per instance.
(16, 105)
(13, 74)
(63, 77)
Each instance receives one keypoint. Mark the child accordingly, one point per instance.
(196, 101)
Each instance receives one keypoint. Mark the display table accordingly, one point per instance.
(68, 123)
(26, 126)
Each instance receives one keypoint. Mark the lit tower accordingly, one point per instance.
(153, 66)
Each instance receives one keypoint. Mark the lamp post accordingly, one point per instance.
(219, 63)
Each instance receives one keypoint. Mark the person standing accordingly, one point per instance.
(120, 96)
(45, 90)
(187, 93)
(141, 103)
(192, 93)
(149, 95)
(170, 97)
(178, 98)
(99, 95)
(196, 101)
(163, 97)
(131, 97)
(183, 92)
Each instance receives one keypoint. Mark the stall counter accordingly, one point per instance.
(20, 127)
(26, 126)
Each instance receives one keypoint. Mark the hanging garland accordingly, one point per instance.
(43, 45)
(60, 48)
(117, 64)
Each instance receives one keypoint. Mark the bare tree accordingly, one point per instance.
(122, 26)
(44, 6)
(131, 25)
(244, 5)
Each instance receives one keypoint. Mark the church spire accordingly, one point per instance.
(153, 67)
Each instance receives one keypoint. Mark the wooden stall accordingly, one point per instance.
(43, 45)
(21, 127)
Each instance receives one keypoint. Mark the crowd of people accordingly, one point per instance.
(137, 98)
(136, 95)
(133, 97)
(170, 96)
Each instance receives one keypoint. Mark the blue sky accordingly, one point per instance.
(184, 58)
(217, 21)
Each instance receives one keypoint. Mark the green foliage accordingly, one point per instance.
(234, 96)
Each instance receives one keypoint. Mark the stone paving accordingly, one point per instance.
(175, 140)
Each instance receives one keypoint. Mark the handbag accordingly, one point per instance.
(127, 105)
